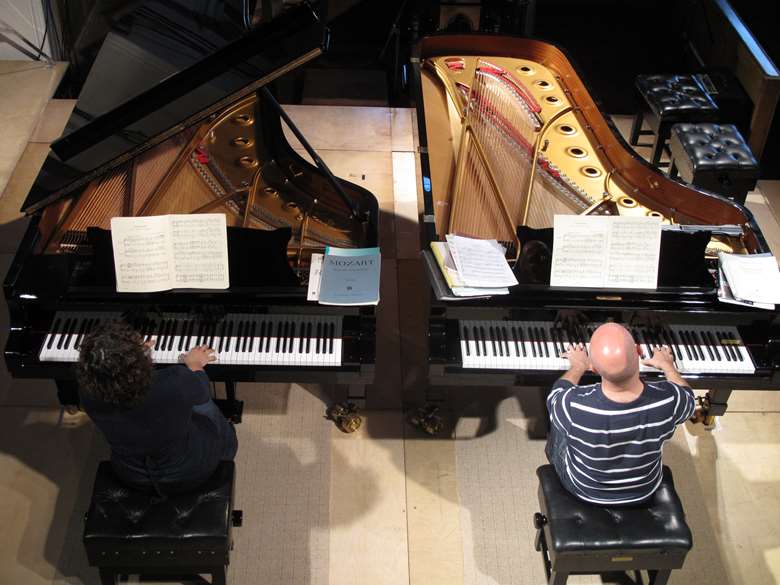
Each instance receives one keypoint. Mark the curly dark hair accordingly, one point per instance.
(114, 367)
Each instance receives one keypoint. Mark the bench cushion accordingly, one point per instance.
(716, 146)
(578, 527)
(126, 526)
(676, 97)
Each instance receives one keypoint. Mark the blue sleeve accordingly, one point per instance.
(686, 404)
(193, 386)
(556, 406)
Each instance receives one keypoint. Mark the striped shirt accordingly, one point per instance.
(613, 450)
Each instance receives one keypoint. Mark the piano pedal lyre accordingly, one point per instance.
(345, 416)
(702, 415)
(427, 419)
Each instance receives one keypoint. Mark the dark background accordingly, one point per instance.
(610, 40)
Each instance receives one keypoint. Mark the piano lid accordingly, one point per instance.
(101, 137)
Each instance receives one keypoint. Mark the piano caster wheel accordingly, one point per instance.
(72, 409)
(427, 419)
(345, 416)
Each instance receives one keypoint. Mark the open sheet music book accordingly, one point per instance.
(753, 279)
(606, 251)
(164, 252)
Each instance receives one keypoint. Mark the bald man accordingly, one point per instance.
(606, 439)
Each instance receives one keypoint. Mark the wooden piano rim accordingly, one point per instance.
(631, 173)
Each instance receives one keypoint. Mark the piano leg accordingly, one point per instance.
(68, 394)
(715, 404)
(232, 409)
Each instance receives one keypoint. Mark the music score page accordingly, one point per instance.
(606, 251)
(164, 252)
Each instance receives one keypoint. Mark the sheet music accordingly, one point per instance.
(606, 251)
(142, 253)
(200, 254)
(752, 277)
(480, 263)
(158, 253)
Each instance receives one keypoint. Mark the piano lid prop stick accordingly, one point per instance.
(265, 93)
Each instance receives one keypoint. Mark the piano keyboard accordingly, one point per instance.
(538, 345)
(246, 339)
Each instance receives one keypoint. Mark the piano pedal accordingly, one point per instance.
(345, 416)
(427, 419)
(701, 414)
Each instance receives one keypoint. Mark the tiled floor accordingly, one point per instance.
(386, 505)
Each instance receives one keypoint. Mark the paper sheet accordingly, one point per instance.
(753, 277)
(480, 263)
(159, 253)
(606, 251)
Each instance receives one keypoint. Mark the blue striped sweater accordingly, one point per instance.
(613, 453)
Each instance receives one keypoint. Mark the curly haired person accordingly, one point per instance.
(164, 430)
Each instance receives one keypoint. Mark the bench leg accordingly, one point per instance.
(673, 169)
(636, 129)
(659, 577)
(218, 576)
(558, 578)
(107, 576)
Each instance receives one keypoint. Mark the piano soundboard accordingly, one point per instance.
(240, 339)
(539, 345)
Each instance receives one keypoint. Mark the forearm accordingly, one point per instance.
(673, 376)
(573, 375)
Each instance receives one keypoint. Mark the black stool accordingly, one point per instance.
(128, 531)
(714, 157)
(670, 99)
(576, 537)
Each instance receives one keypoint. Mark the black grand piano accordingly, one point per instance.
(509, 137)
(205, 137)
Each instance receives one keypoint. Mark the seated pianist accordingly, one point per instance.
(606, 439)
(165, 432)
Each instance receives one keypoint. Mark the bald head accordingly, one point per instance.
(613, 353)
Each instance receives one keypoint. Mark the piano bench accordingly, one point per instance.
(127, 531)
(714, 157)
(575, 537)
(669, 99)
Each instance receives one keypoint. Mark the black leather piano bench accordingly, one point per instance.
(669, 99)
(714, 157)
(129, 532)
(575, 537)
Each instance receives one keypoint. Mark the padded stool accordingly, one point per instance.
(714, 157)
(670, 99)
(127, 531)
(576, 537)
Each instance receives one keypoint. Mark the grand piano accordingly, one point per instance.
(509, 137)
(207, 137)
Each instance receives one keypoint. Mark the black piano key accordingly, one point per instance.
(554, 339)
(301, 337)
(171, 334)
(475, 335)
(731, 354)
(65, 328)
(308, 336)
(239, 335)
(543, 341)
(692, 342)
(80, 337)
(483, 340)
(713, 344)
(723, 347)
(680, 343)
(666, 339)
(466, 340)
(229, 336)
(162, 337)
(492, 334)
(706, 344)
(701, 344)
(253, 337)
(184, 327)
(54, 329)
(532, 340)
(261, 336)
(69, 333)
(519, 339)
(737, 345)
(507, 342)
(319, 337)
(331, 337)
(293, 333)
(500, 341)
